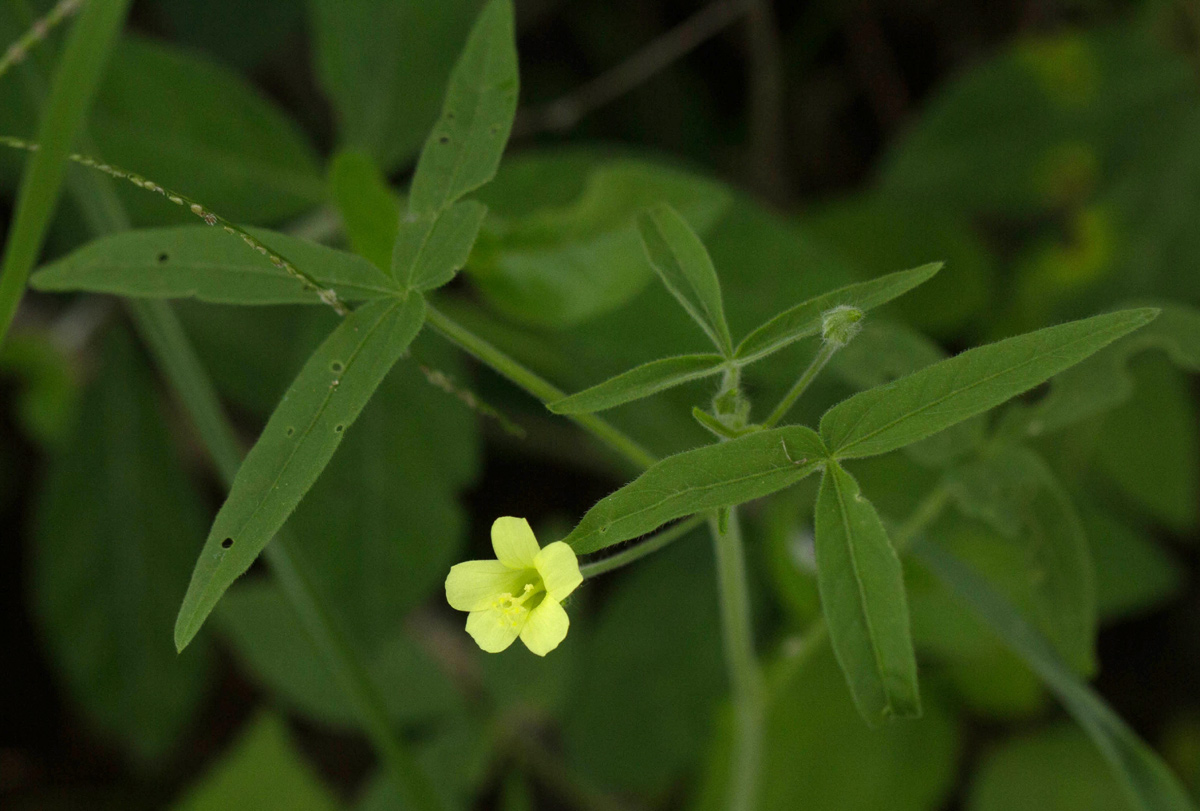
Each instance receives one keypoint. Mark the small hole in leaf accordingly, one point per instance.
(445, 139)
(163, 258)
(290, 430)
(228, 542)
(495, 130)
(337, 429)
(336, 367)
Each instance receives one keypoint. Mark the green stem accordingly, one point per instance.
(76, 78)
(650, 545)
(789, 399)
(542, 389)
(745, 676)
(164, 335)
(923, 515)
(160, 329)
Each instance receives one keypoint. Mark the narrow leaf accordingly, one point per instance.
(642, 381)
(888, 417)
(1148, 782)
(804, 320)
(721, 475)
(1102, 382)
(296, 444)
(464, 148)
(431, 248)
(682, 262)
(197, 261)
(72, 91)
(369, 208)
(863, 598)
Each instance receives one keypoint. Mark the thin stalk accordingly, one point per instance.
(542, 389)
(826, 352)
(923, 515)
(165, 336)
(76, 78)
(745, 676)
(637, 552)
(160, 329)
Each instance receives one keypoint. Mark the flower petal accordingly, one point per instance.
(492, 629)
(514, 542)
(473, 585)
(546, 627)
(559, 569)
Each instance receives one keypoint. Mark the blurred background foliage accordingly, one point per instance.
(1047, 150)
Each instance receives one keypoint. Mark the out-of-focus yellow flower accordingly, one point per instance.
(518, 594)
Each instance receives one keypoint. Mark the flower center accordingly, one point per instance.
(513, 609)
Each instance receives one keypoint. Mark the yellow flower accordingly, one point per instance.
(519, 594)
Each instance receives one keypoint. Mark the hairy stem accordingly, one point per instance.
(638, 551)
(789, 399)
(745, 676)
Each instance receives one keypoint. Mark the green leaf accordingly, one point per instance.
(682, 262)
(1147, 782)
(1054, 768)
(226, 145)
(369, 208)
(903, 235)
(296, 444)
(647, 379)
(73, 88)
(818, 755)
(430, 248)
(263, 771)
(561, 246)
(889, 417)
(804, 319)
(884, 351)
(269, 639)
(384, 523)
(464, 148)
(1016, 493)
(384, 66)
(115, 529)
(721, 475)
(862, 596)
(1149, 445)
(1135, 574)
(197, 261)
(1102, 382)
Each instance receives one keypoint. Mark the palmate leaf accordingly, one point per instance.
(431, 248)
(1147, 781)
(804, 320)
(641, 381)
(682, 262)
(863, 598)
(721, 475)
(464, 148)
(296, 444)
(198, 261)
(888, 417)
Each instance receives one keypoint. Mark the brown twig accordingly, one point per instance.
(876, 64)
(768, 172)
(565, 112)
